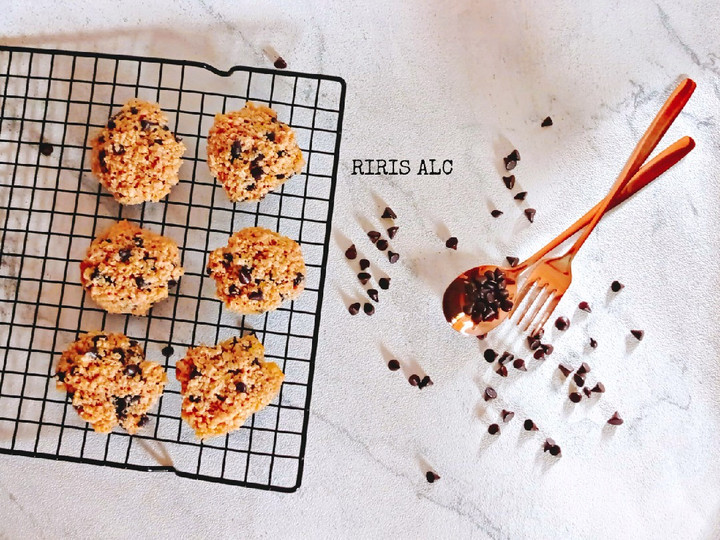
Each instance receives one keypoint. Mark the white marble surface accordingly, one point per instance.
(467, 81)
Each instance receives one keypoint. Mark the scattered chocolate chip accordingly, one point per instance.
(593, 343)
(519, 363)
(616, 286)
(60, 375)
(547, 122)
(392, 231)
(220, 397)
(393, 365)
(364, 264)
(496, 213)
(599, 388)
(587, 391)
(373, 294)
(368, 308)
(431, 477)
(194, 399)
(382, 244)
(548, 444)
(511, 160)
(168, 351)
(364, 277)
(46, 148)
(354, 309)
(280, 63)
(565, 369)
(426, 381)
(529, 425)
(539, 354)
(584, 306)
(509, 181)
(490, 355)
(513, 261)
(638, 334)
(244, 275)
(384, 283)
(493, 429)
(490, 393)
(506, 357)
(615, 419)
(388, 213)
(111, 124)
(547, 348)
(374, 236)
(257, 172)
(530, 214)
(414, 380)
(451, 243)
(233, 290)
(393, 257)
(575, 397)
(502, 371)
(579, 379)
(124, 254)
(555, 451)
(278, 176)
(507, 415)
(255, 295)
(481, 336)
(351, 252)
(533, 342)
(144, 419)
(240, 387)
(584, 368)
(131, 370)
(520, 196)
(562, 323)
(270, 136)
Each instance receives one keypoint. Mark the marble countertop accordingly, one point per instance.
(467, 81)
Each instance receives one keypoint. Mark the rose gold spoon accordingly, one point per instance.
(456, 303)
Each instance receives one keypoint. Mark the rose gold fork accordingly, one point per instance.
(550, 279)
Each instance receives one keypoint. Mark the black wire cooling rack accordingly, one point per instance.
(51, 207)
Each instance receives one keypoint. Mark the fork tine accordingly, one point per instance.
(536, 288)
(538, 307)
(549, 311)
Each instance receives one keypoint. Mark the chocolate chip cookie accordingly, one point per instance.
(136, 156)
(257, 271)
(251, 152)
(128, 269)
(109, 381)
(222, 386)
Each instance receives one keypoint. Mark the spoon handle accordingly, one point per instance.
(649, 172)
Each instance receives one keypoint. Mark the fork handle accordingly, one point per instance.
(649, 172)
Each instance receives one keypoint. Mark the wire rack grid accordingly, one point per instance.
(51, 207)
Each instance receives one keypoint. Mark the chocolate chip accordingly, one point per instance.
(593, 343)
(393, 365)
(374, 236)
(382, 244)
(270, 136)
(46, 148)
(119, 352)
(533, 342)
(240, 387)
(555, 451)
(426, 381)
(584, 368)
(364, 277)
(519, 363)
(481, 336)
(615, 286)
(584, 306)
(299, 278)
(490, 355)
(280, 63)
(509, 181)
(168, 351)
(539, 354)
(579, 379)
(530, 214)
(145, 125)
(547, 349)
(131, 370)
(513, 261)
(244, 275)
(95, 274)
(638, 334)
(140, 282)
(547, 122)
(194, 373)
(548, 444)
(278, 176)
(368, 308)
(490, 393)
(431, 477)
(111, 124)
(493, 429)
(599, 388)
(587, 392)
(144, 419)
(373, 294)
(194, 399)
(565, 369)
(388, 213)
(236, 149)
(233, 290)
(121, 406)
(507, 415)
(138, 241)
(520, 196)
(384, 283)
(511, 160)
(133, 110)
(575, 397)
(351, 252)
(414, 380)
(451, 243)
(502, 371)
(496, 213)
(393, 257)
(255, 295)
(539, 334)
(354, 309)
(392, 231)
(257, 172)
(124, 254)
(506, 357)
(364, 264)
(615, 419)
(60, 375)
(562, 323)
(529, 425)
